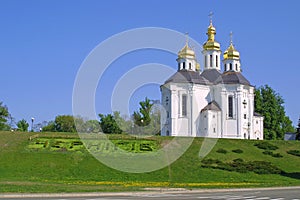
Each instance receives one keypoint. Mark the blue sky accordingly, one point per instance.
(43, 43)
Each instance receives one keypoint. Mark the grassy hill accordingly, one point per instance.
(57, 162)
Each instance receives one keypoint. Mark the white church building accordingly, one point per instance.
(213, 102)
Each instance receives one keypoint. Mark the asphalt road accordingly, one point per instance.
(292, 193)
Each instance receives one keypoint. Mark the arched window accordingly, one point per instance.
(184, 105)
(190, 65)
(230, 106)
(210, 60)
(183, 65)
(217, 61)
(230, 66)
(236, 67)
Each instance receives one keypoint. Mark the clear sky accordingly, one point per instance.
(43, 43)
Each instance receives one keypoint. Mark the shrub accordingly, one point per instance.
(294, 152)
(268, 152)
(238, 160)
(237, 151)
(241, 166)
(211, 161)
(266, 146)
(224, 151)
(275, 155)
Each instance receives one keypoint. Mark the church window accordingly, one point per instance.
(217, 59)
(245, 116)
(214, 130)
(183, 65)
(230, 107)
(230, 66)
(225, 67)
(184, 105)
(190, 65)
(210, 60)
(168, 114)
(236, 67)
(256, 122)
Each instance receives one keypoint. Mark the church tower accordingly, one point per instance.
(186, 58)
(211, 50)
(231, 58)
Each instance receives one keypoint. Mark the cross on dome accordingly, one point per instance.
(187, 38)
(211, 14)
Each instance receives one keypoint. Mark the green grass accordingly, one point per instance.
(30, 163)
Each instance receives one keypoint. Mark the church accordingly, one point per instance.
(212, 102)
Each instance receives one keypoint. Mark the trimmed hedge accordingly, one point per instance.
(266, 146)
(237, 151)
(275, 155)
(294, 152)
(224, 151)
(239, 165)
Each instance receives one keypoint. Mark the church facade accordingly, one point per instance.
(213, 102)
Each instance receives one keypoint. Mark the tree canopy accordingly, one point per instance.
(270, 104)
(147, 118)
(142, 117)
(109, 125)
(298, 131)
(4, 116)
(22, 125)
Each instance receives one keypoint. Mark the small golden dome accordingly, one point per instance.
(197, 67)
(186, 52)
(211, 44)
(231, 52)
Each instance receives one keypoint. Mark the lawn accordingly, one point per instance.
(58, 162)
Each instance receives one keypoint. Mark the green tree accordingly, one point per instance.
(50, 127)
(147, 119)
(92, 126)
(65, 123)
(143, 117)
(270, 104)
(22, 125)
(109, 125)
(298, 131)
(124, 122)
(4, 116)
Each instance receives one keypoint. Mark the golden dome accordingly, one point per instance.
(197, 67)
(186, 52)
(231, 52)
(211, 44)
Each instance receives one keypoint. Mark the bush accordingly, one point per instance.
(238, 151)
(275, 155)
(268, 152)
(266, 146)
(239, 165)
(294, 152)
(224, 151)
(238, 160)
(211, 161)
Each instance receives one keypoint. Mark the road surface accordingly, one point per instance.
(291, 193)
